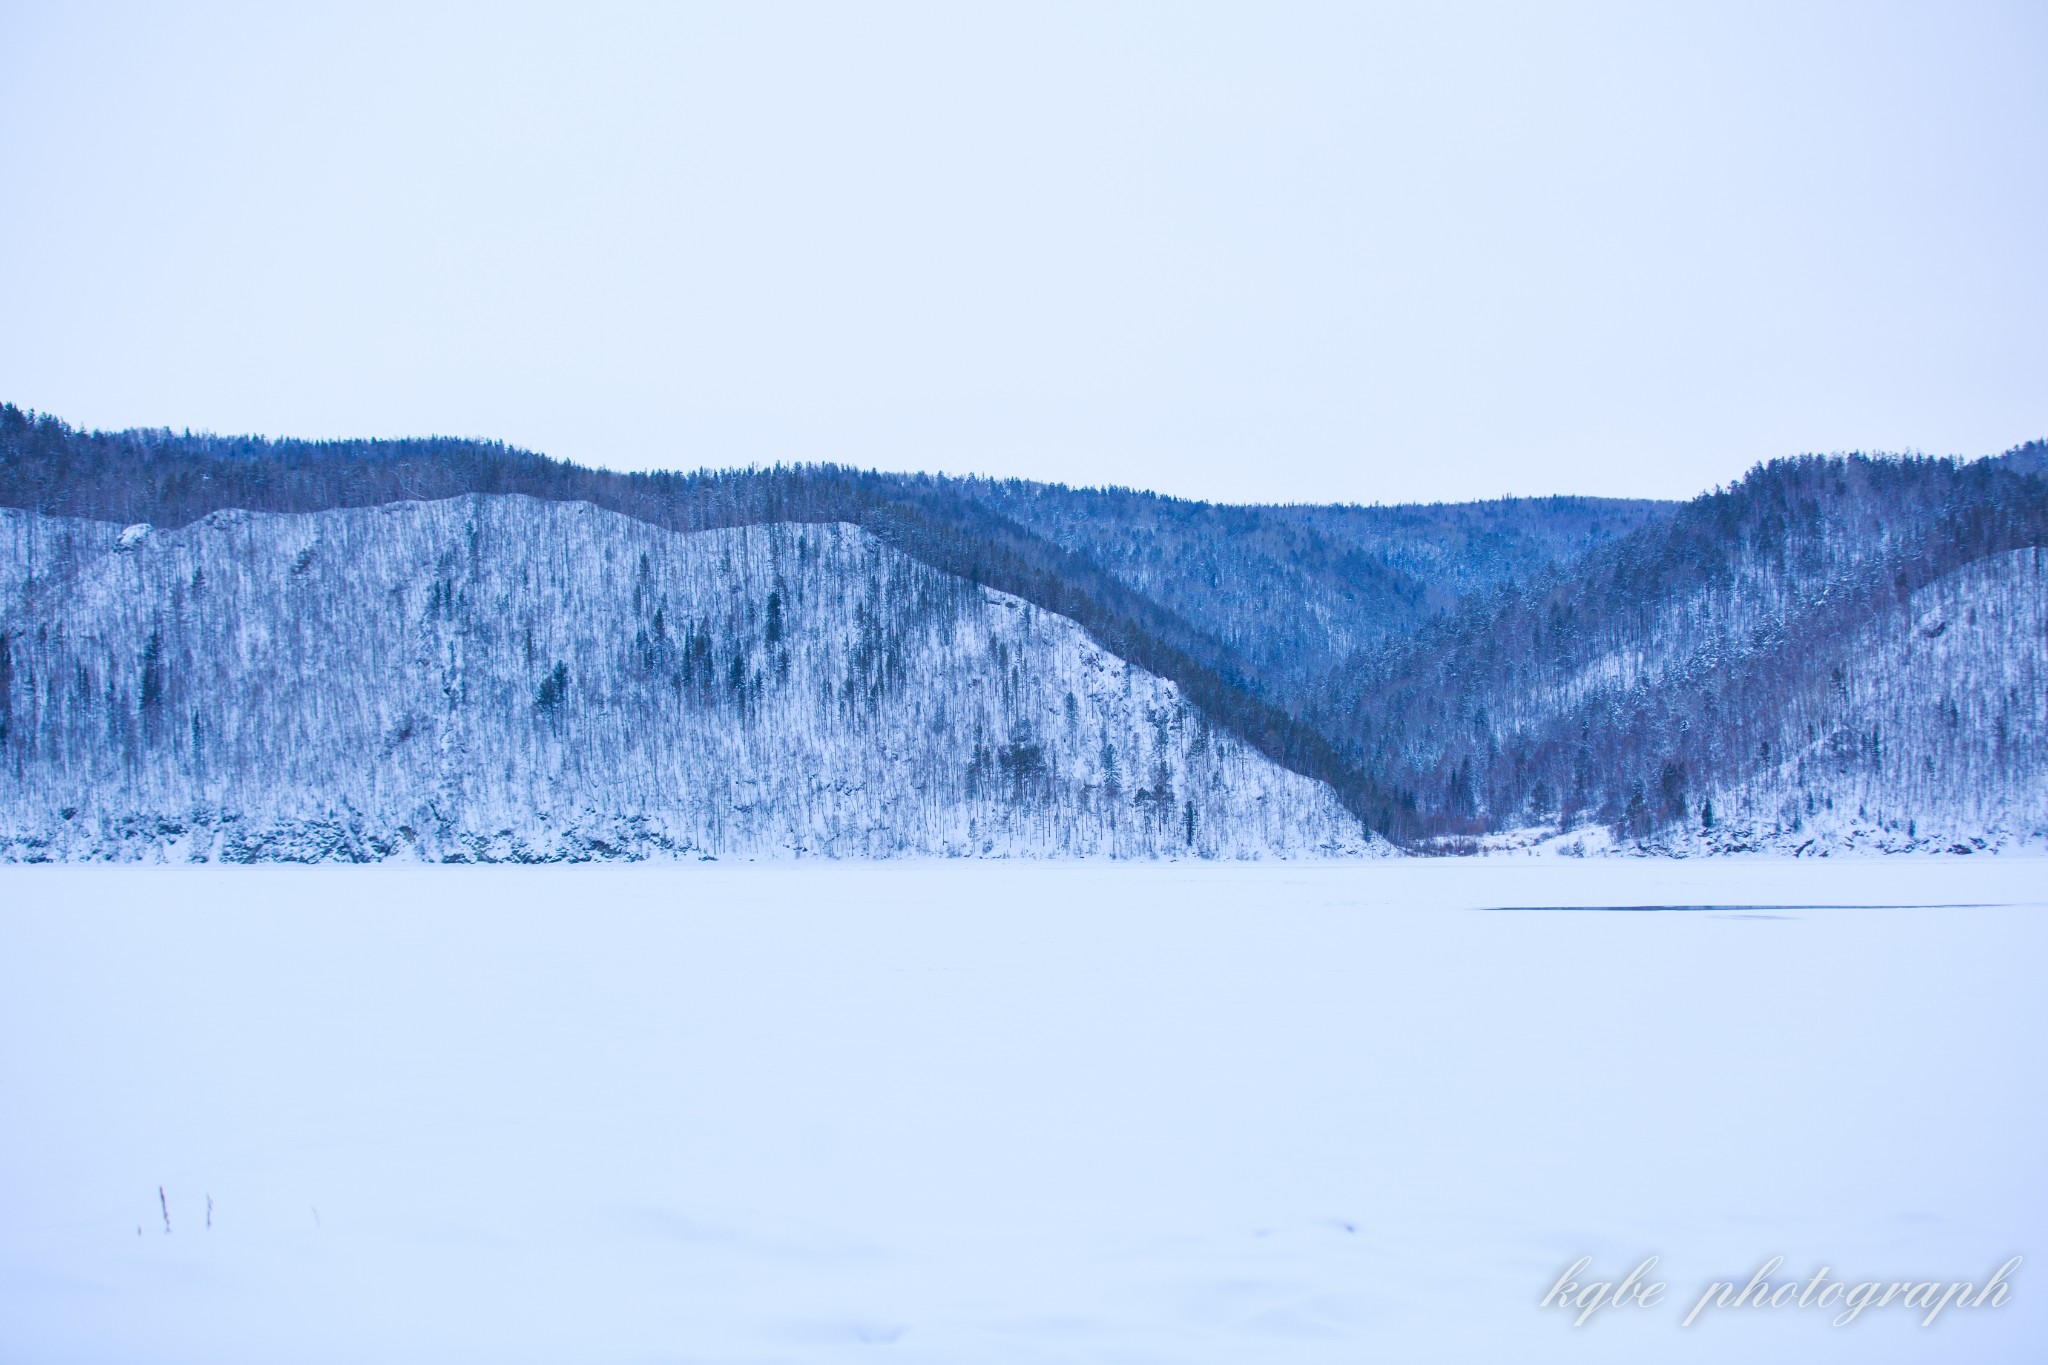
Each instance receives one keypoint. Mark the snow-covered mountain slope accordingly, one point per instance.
(1693, 660)
(1927, 731)
(506, 678)
(1932, 733)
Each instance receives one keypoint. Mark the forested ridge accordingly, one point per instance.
(172, 479)
(503, 678)
(1627, 685)
(1449, 671)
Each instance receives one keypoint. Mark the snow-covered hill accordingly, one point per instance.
(501, 678)
(1764, 651)
(1932, 733)
(1925, 732)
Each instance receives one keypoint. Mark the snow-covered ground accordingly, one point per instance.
(998, 1112)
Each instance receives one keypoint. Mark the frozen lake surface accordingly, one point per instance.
(1012, 1112)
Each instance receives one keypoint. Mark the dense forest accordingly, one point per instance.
(1735, 671)
(1688, 656)
(1293, 590)
(172, 480)
(500, 678)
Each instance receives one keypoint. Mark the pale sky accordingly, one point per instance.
(1262, 252)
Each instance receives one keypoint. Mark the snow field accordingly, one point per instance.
(934, 1111)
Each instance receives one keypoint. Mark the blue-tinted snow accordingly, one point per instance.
(1030, 1113)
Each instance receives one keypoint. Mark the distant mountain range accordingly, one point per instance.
(239, 648)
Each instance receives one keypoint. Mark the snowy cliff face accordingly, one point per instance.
(503, 678)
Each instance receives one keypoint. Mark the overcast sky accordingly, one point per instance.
(1260, 252)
